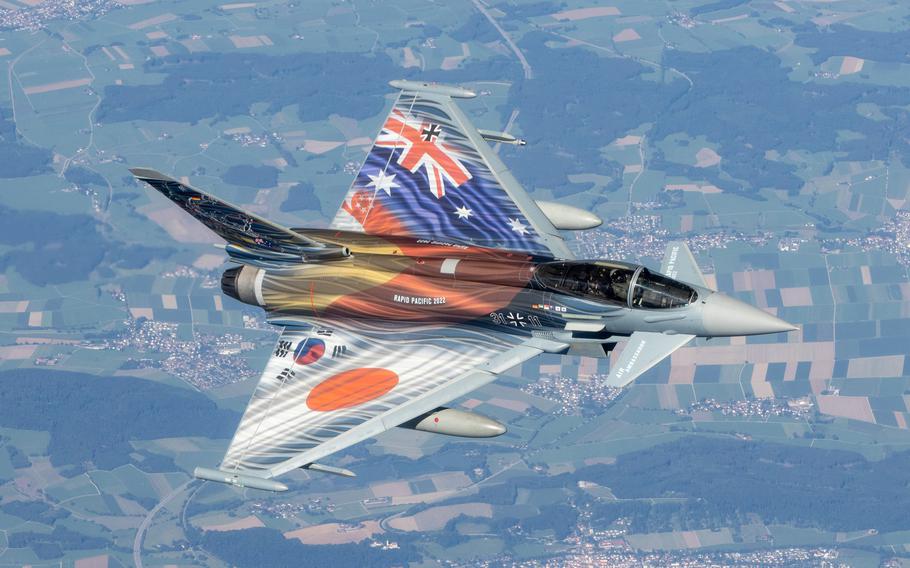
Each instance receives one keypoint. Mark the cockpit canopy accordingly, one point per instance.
(614, 283)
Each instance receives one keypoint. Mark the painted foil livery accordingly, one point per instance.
(439, 273)
(424, 177)
(296, 408)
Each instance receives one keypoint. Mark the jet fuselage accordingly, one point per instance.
(419, 280)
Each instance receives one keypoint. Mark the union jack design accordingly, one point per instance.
(426, 176)
(422, 146)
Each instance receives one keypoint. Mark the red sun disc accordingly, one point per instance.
(351, 388)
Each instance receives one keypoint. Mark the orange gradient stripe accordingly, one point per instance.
(464, 301)
(351, 388)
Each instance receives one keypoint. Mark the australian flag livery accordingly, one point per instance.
(425, 177)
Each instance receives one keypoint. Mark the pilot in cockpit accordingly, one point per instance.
(619, 283)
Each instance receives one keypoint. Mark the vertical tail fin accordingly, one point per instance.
(244, 230)
(679, 264)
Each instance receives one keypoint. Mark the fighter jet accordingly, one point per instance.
(438, 273)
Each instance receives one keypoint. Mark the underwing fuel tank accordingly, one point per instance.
(568, 218)
(238, 479)
(452, 422)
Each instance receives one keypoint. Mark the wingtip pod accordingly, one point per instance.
(238, 479)
(150, 174)
(330, 469)
(433, 88)
(501, 137)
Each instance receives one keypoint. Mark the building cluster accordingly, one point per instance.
(629, 237)
(98, 202)
(115, 292)
(595, 556)
(34, 18)
(825, 74)
(256, 320)
(790, 244)
(587, 546)
(573, 396)
(383, 501)
(893, 236)
(589, 537)
(634, 237)
(204, 361)
(682, 20)
(753, 408)
(262, 140)
(351, 167)
(286, 509)
(207, 279)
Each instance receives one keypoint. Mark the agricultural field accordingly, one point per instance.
(772, 136)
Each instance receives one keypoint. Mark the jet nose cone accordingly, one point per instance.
(725, 316)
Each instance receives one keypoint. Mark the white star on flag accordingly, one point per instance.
(463, 212)
(517, 226)
(382, 182)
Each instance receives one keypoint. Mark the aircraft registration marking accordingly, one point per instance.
(515, 319)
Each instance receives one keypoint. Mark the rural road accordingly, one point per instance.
(147, 522)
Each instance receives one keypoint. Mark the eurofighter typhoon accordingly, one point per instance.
(437, 273)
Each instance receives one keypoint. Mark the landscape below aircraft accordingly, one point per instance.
(437, 273)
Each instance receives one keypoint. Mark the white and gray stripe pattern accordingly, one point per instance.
(278, 423)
